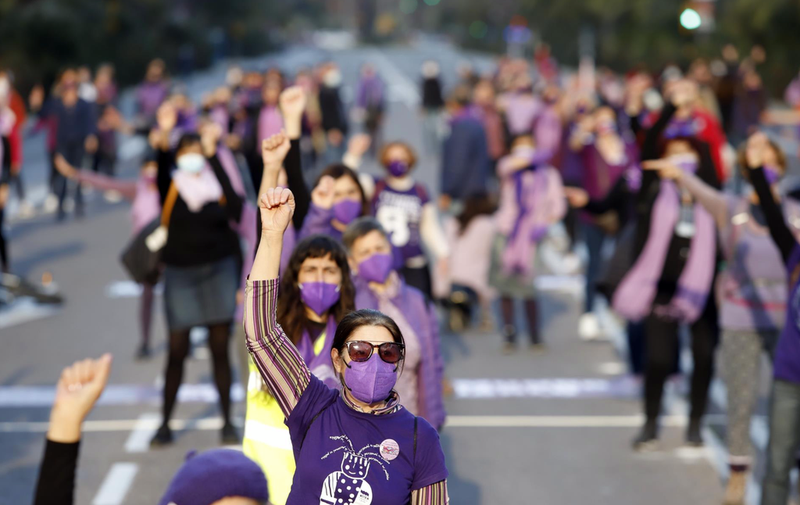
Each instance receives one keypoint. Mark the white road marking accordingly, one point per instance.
(400, 87)
(116, 484)
(24, 310)
(143, 431)
(456, 421)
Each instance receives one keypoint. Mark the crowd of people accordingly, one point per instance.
(336, 283)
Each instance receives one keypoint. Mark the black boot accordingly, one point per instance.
(694, 438)
(647, 440)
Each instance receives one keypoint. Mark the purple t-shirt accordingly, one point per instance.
(348, 457)
(787, 352)
(400, 213)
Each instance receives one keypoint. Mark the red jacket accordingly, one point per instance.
(17, 105)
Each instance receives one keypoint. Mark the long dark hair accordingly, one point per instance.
(291, 310)
(365, 317)
(474, 206)
(338, 170)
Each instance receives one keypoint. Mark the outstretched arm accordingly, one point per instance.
(276, 358)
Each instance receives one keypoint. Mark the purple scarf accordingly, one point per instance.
(634, 297)
(320, 364)
(270, 122)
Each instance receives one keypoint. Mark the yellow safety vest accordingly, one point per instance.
(266, 437)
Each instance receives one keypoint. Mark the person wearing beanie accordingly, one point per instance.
(215, 477)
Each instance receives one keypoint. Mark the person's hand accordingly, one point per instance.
(445, 201)
(210, 134)
(274, 150)
(443, 267)
(91, 144)
(757, 143)
(276, 207)
(293, 102)
(577, 197)
(63, 167)
(665, 168)
(77, 391)
(3, 195)
(322, 196)
(166, 117)
(36, 98)
(359, 144)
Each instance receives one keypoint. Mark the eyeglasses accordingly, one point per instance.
(360, 350)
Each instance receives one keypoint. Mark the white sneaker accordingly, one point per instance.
(25, 210)
(50, 204)
(112, 196)
(588, 327)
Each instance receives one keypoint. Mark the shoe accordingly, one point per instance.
(736, 490)
(694, 438)
(50, 204)
(25, 210)
(143, 352)
(163, 437)
(588, 327)
(647, 440)
(229, 435)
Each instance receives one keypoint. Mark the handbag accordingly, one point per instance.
(142, 256)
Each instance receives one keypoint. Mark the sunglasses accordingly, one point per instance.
(359, 350)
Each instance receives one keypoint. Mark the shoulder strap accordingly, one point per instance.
(416, 419)
(169, 203)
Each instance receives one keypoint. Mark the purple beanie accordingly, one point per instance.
(213, 475)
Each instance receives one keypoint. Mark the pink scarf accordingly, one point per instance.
(634, 297)
(198, 190)
(270, 122)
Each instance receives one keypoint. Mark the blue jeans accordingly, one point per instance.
(784, 441)
(594, 238)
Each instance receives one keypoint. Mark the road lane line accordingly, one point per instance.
(143, 431)
(215, 423)
(116, 484)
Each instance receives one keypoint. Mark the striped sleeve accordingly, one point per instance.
(283, 370)
(435, 494)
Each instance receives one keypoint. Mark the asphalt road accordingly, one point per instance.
(547, 429)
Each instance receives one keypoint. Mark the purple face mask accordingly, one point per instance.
(772, 175)
(370, 381)
(376, 268)
(319, 296)
(398, 168)
(346, 211)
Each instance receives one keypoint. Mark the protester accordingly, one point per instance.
(365, 421)
(432, 104)
(337, 200)
(670, 281)
(753, 297)
(201, 254)
(406, 212)
(371, 103)
(465, 156)
(380, 287)
(151, 94)
(531, 200)
(146, 206)
(334, 119)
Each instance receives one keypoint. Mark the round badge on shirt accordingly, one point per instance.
(389, 449)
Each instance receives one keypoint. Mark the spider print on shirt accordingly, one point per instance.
(349, 486)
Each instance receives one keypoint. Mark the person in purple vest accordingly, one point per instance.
(151, 94)
(752, 293)
(380, 287)
(356, 445)
(784, 410)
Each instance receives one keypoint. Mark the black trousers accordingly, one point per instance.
(662, 344)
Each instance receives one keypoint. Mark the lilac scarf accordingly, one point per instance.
(198, 190)
(540, 202)
(146, 204)
(634, 297)
(320, 364)
(270, 122)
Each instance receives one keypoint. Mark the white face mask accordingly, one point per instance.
(191, 163)
(5, 86)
